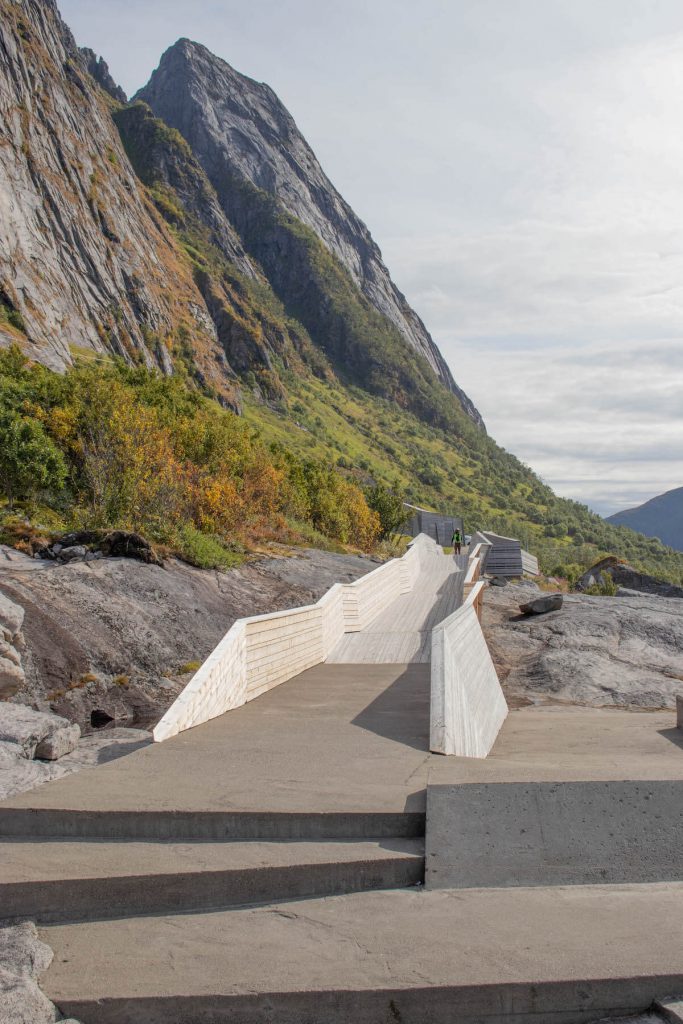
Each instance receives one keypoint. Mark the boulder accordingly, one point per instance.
(11, 615)
(35, 731)
(59, 742)
(541, 605)
(498, 581)
(69, 554)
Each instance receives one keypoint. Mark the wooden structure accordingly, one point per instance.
(506, 556)
(436, 525)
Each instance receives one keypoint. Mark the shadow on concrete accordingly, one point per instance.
(675, 735)
(401, 712)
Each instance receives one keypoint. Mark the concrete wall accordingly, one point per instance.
(554, 833)
(467, 705)
(263, 651)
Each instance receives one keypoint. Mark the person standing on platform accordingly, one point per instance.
(456, 541)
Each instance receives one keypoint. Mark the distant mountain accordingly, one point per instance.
(659, 517)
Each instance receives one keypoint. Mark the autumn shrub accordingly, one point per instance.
(135, 450)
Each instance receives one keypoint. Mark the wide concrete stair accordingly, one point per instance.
(87, 880)
(564, 955)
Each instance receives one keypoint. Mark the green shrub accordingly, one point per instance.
(205, 550)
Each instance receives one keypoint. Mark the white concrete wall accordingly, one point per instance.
(263, 651)
(467, 705)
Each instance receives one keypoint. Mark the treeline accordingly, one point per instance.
(107, 445)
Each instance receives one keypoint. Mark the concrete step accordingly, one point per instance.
(148, 823)
(82, 880)
(565, 955)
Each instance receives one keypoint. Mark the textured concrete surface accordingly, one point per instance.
(508, 956)
(68, 881)
(554, 833)
(339, 751)
(553, 744)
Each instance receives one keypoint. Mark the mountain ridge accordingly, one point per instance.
(239, 129)
(661, 516)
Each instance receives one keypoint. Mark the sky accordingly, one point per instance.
(520, 164)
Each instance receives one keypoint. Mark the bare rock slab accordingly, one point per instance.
(541, 605)
(23, 957)
(38, 734)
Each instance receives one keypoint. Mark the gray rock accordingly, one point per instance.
(60, 742)
(108, 274)
(541, 605)
(32, 730)
(599, 652)
(241, 132)
(17, 775)
(11, 615)
(23, 958)
(498, 581)
(75, 551)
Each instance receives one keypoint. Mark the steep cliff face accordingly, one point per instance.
(242, 135)
(86, 262)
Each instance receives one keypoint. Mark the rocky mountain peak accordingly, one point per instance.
(241, 133)
(98, 68)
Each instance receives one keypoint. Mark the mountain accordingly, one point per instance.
(659, 517)
(193, 235)
(86, 262)
(242, 135)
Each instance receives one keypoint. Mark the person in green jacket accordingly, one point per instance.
(456, 541)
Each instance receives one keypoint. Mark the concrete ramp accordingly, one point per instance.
(402, 633)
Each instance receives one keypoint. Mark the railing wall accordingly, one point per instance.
(259, 653)
(467, 706)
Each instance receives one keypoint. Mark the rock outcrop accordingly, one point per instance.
(37, 734)
(597, 651)
(11, 641)
(23, 958)
(86, 262)
(627, 578)
(250, 147)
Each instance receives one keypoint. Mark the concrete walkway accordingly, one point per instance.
(402, 633)
(340, 751)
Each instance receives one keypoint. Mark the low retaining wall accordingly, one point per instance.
(467, 706)
(263, 651)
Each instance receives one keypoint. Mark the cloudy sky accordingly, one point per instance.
(520, 163)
